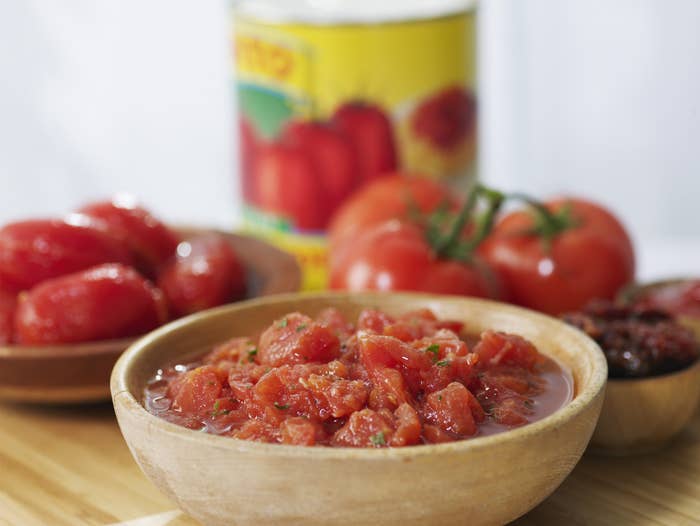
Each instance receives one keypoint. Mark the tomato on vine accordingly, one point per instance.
(558, 255)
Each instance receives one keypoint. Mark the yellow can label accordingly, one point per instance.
(325, 109)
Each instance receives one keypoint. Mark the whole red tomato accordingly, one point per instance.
(560, 257)
(151, 241)
(104, 302)
(386, 198)
(205, 273)
(34, 250)
(397, 256)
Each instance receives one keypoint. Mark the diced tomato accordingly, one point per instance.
(233, 350)
(365, 428)
(196, 391)
(498, 348)
(258, 431)
(389, 389)
(394, 382)
(296, 338)
(334, 320)
(451, 409)
(512, 412)
(408, 427)
(300, 431)
(341, 396)
(373, 320)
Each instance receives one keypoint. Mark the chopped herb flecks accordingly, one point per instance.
(283, 322)
(301, 327)
(443, 363)
(435, 350)
(281, 407)
(251, 354)
(378, 439)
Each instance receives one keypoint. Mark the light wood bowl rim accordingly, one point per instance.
(582, 399)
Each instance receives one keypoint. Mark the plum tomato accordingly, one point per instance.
(397, 256)
(151, 241)
(104, 302)
(206, 272)
(8, 303)
(559, 257)
(372, 135)
(288, 183)
(35, 250)
(391, 197)
(332, 154)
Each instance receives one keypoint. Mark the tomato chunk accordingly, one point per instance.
(296, 338)
(451, 410)
(196, 390)
(498, 348)
(364, 428)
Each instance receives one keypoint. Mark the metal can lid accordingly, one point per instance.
(329, 12)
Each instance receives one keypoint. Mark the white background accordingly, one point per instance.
(594, 97)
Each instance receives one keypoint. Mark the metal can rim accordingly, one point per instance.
(310, 12)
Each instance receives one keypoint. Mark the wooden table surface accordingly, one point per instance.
(70, 466)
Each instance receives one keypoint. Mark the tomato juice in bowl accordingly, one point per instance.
(218, 478)
(333, 95)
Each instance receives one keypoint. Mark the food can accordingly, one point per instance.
(334, 94)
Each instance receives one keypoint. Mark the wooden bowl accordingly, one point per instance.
(642, 415)
(480, 481)
(80, 372)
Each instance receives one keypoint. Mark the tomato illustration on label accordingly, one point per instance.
(325, 109)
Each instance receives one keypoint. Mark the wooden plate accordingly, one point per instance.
(80, 372)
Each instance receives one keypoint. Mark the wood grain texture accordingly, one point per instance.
(70, 467)
(489, 479)
(80, 372)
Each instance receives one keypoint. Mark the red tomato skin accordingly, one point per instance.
(206, 272)
(372, 135)
(395, 256)
(390, 197)
(36, 250)
(151, 241)
(104, 302)
(8, 304)
(332, 154)
(594, 259)
(288, 184)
